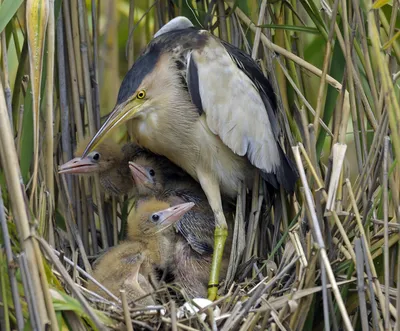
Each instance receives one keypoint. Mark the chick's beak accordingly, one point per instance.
(78, 166)
(173, 214)
(138, 173)
(121, 113)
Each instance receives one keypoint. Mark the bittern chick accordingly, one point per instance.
(119, 269)
(110, 161)
(195, 231)
(148, 245)
(207, 106)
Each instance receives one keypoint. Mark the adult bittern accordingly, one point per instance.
(194, 239)
(206, 106)
(148, 245)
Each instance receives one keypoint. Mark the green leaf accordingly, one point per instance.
(291, 28)
(336, 71)
(27, 137)
(7, 11)
(381, 3)
(63, 302)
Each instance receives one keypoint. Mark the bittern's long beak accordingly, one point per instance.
(119, 115)
(139, 173)
(78, 165)
(170, 216)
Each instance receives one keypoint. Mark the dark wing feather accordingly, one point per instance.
(196, 226)
(193, 85)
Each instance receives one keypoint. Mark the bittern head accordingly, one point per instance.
(106, 156)
(153, 216)
(148, 176)
(149, 87)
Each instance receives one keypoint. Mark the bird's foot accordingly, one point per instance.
(220, 236)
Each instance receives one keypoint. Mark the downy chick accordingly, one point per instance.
(150, 243)
(119, 269)
(110, 161)
(195, 239)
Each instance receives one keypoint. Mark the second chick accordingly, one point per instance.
(150, 243)
(192, 256)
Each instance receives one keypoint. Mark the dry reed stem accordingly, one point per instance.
(11, 270)
(11, 170)
(37, 13)
(269, 44)
(72, 286)
(127, 316)
(86, 274)
(368, 253)
(319, 240)
(387, 85)
(49, 132)
(386, 233)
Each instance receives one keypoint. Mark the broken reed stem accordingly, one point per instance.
(319, 239)
(338, 223)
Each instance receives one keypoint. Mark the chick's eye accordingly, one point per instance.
(155, 217)
(96, 156)
(152, 173)
(141, 94)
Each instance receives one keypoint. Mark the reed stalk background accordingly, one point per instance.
(326, 258)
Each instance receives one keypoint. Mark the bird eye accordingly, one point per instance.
(155, 217)
(96, 156)
(141, 94)
(152, 173)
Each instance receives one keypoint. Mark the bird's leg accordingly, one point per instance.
(211, 188)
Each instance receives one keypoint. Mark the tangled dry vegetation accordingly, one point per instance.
(327, 257)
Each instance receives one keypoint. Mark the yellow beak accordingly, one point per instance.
(119, 115)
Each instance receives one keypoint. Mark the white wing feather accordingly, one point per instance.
(233, 106)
